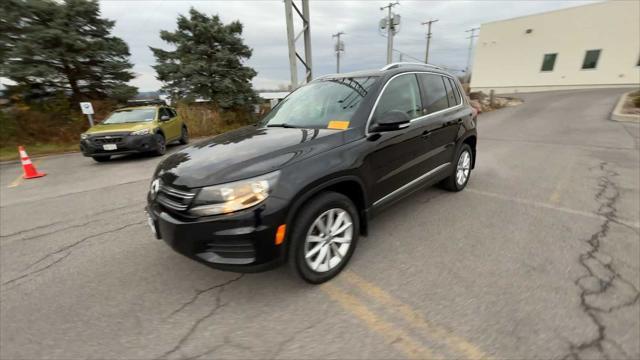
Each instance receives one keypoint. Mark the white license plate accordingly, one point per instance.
(110, 147)
(152, 225)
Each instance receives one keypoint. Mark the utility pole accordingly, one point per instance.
(428, 23)
(391, 27)
(339, 48)
(289, 7)
(473, 35)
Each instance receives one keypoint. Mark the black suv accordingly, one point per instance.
(302, 184)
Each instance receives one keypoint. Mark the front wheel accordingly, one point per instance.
(324, 237)
(462, 170)
(161, 145)
(184, 137)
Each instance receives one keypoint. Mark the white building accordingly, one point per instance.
(590, 46)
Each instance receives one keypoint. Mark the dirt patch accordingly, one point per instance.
(632, 104)
(482, 102)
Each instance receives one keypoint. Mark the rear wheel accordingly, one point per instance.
(324, 237)
(161, 145)
(102, 158)
(184, 138)
(461, 171)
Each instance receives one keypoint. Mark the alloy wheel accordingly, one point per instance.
(328, 240)
(464, 167)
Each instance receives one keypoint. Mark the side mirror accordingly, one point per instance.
(164, 118)
(391, 121)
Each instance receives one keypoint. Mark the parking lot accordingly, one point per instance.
(538, 258)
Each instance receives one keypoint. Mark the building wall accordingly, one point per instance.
(507, 59)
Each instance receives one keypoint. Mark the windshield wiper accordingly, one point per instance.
(283, 125)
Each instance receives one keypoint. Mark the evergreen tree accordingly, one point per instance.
(51, 46)
(206, 62)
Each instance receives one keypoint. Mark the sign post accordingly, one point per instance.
(87, 109)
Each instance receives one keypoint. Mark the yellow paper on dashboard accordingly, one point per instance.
(338, 124)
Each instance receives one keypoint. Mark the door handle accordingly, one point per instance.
(426, 134)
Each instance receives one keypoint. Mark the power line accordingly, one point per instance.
(428, 23)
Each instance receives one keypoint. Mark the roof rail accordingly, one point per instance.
(146, 102)
(399, 64)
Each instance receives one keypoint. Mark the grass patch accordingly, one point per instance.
(10, 152)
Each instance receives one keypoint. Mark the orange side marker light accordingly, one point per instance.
(280, 234)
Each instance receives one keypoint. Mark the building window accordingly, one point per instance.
(548, 62)
(591, 59)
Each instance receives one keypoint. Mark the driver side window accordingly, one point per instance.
(402, 93)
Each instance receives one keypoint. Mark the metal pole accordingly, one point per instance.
(389, 37)
(90, 119)
(292, 44)
(390, 29)
(472, 31)
(338, 50)
(428, 23)
(307, 38)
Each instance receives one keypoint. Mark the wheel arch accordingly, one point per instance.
(350, 186)
(471, 140)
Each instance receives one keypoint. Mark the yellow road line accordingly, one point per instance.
(398, 338)
(564, 180)
(415, 318)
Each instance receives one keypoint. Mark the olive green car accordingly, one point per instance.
(144, 128)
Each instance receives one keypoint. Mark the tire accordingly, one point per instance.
(102, 158)
(462, 163)
(184, 138)
(307, 239)
(161, 145)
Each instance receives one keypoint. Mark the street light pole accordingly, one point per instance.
(473, 35)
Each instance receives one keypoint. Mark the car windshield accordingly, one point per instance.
(322, 104)
(131, 116)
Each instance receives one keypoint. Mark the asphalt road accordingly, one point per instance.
(538, 258)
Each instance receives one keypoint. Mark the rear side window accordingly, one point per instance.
(456, 92)
(435, 93)
(402, 93)
(165, 111)
(451, 95)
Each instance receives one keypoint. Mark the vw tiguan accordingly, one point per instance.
(302, 185)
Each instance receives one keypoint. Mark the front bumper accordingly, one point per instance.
(242, 242)
(124, 143)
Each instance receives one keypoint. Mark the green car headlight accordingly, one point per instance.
(234, 196)
(141, 132)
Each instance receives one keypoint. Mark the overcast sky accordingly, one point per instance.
(139, 24)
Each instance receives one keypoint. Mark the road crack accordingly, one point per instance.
(55, 254)
(217, 306)
(603, 289)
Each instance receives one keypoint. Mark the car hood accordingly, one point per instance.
(107, 128)
(244, 153)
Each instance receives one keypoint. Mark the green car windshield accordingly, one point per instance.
(321, 104)
(131, 116)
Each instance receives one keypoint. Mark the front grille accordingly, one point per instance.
(174, 199)
(229, 251)
(107, 140)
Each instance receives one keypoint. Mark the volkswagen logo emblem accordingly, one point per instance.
(155, 187)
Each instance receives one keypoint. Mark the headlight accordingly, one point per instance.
(141, 132)
(84, 136)
(234, 196)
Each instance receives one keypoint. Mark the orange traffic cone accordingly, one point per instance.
(30, 171)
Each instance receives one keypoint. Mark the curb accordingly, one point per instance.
(618, 115)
